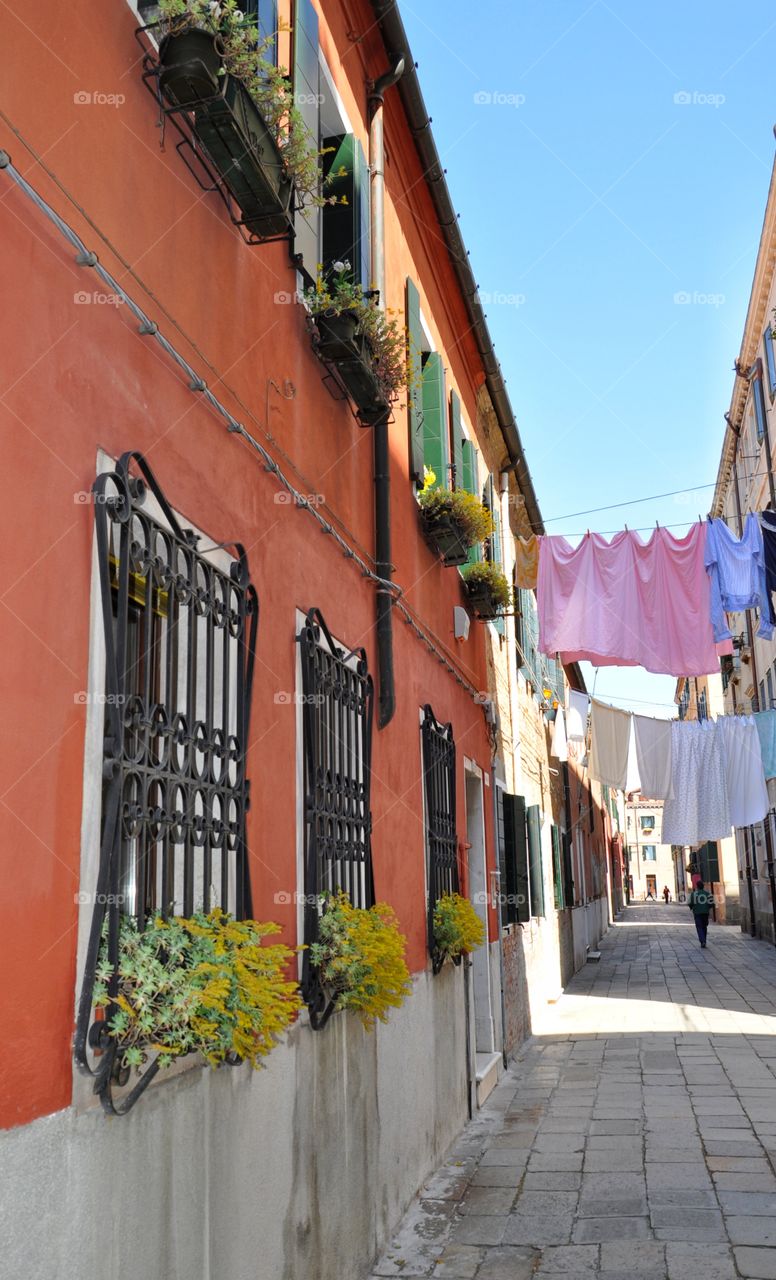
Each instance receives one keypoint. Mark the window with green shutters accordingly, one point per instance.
(469, 483)
(456, 441)
(513, 857)
(557, 869)
(435, 434)
(415, 348)
(307, 94)
(345, 228)
(535, 871)
(493, 548)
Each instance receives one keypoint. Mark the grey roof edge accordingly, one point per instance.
(397, 44)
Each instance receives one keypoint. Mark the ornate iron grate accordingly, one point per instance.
(439, 796)
(180, 637)
(337, 694)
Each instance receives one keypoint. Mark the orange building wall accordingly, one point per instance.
(78, 377)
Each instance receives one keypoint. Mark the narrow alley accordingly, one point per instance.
(635, 1136)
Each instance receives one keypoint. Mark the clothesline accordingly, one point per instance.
(660, 603)
(710, 775)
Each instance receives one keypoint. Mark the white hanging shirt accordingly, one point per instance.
(699, 809)
(747, 791)
(610, 732)
(559, 747)
(652, 740)
(576, 725)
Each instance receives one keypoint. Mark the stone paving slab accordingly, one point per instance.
(634, 1135)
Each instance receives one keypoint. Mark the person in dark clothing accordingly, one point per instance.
(700, 903)
(666, 895)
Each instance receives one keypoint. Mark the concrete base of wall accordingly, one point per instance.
(300, 1170)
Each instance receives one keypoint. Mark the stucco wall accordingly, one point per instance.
(297, 1172)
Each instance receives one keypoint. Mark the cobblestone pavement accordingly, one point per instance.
(635, 1137)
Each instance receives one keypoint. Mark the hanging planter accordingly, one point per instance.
(453, 521)
(487, 590)
(365, 349)
(359, 958)
(457, 930)
(213, 64)
(190, 65)
(205, 985)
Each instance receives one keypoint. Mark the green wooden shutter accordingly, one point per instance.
(435, 455)
(533, 817)
(456, 438)
(469, 483)
(516, 858)
(307, 94)
(568, 871)
(346, 226)
(557, 874)
(494, 545)
(501, 846)
(415, 397)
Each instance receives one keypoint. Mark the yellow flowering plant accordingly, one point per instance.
(360, 958)
(457, 928)
(465, 509)
(206, 984)
(485, 574)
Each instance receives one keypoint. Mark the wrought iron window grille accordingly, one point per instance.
(180, 639)
(438, 748)
(337, 713)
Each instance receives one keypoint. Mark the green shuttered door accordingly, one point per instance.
(307, 95)
(435, 417)
(415, 398)
(533, 817)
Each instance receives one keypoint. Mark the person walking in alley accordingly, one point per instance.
(700, 903)
(666, 894)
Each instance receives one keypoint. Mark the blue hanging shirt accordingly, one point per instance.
(736, 570)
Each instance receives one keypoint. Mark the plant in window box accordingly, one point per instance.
(457, 929)
(487, 589)
(453, 521)
(207, 984)
(214, 61)
(360, 958)
(365, 344)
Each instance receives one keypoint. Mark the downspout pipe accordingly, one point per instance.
(386, 702)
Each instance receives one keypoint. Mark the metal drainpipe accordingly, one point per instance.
(382, 475)
(750, 633)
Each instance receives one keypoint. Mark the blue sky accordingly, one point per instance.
(610, 163)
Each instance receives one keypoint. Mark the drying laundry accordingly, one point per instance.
(653, 756)
(627, 602)
(736, 569)
(610, 732)
(747, 792)
(526, 562)
(765, 723)
(559, 747)
(576, 724)
(768, 526)
(699, 809)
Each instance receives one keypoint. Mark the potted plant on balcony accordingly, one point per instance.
(359, 957)
(487, 589)
(213, 61)
(363, 343)
(206, 984)
(457, 930)
(453, 521)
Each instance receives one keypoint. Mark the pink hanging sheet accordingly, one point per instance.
(628, 603)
